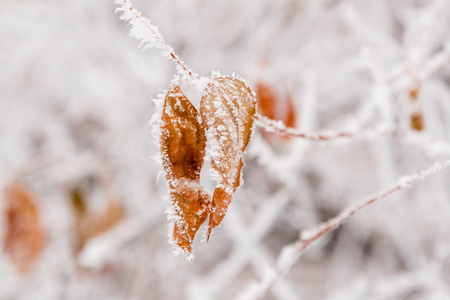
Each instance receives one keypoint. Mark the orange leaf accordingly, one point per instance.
(416, 121)
(416, 118)
(183, 143)
(24, 237)
(290, 119)
(89, 225)
(227, 108)
(415, 89)
(267, 101)
(269, 105)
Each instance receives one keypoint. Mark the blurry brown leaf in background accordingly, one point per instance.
(416, 117)
(88, 224)
(270, 105)
(24, 235)
(417, 121)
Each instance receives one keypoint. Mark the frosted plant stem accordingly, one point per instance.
(291, 253)
(143, 30)
(280, 128)
(437, 62)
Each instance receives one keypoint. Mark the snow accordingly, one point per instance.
(75, 103)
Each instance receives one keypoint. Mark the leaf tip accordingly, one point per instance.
(208, 233)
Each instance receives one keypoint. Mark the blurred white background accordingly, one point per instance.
(75, 103)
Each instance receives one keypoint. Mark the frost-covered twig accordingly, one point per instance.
(290, 253)
(280, 128)
(437, 62)
(150, 37)
(430, 145)
(403, 76)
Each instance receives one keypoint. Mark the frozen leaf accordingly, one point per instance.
(267, 101)
(24, 237)
(414, 92)
(227, 108)
(417, 121)
(78, 202)
(416, 117)
(88, 224)
(271, 106)
(291, 114)
(183, 143)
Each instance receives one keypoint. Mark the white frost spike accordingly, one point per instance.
(141, 27)
(150, 37)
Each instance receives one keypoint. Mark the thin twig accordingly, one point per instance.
(155, 39)
(291, 253)
(280, 128)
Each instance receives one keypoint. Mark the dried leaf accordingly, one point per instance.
(270, 106)
(183, 143)
(24, 236)
(267, 101)
(417, 121)
(416, 117)
(88, 224)
(78, 202)
(414, 92)
(290, 118)
(227, 109)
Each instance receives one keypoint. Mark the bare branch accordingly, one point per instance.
(279, 127)
(291, 253)
(149, 36)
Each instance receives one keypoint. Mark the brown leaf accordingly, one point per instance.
(271, 106)
(88, 224)
(227, 108)
(414, 92)
(416, 117)
(267, 101)
(416, 122)
(290, 118)
(183, 143)
(24, 236)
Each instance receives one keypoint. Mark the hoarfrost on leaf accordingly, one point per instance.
(227, 109)
(182, 142)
